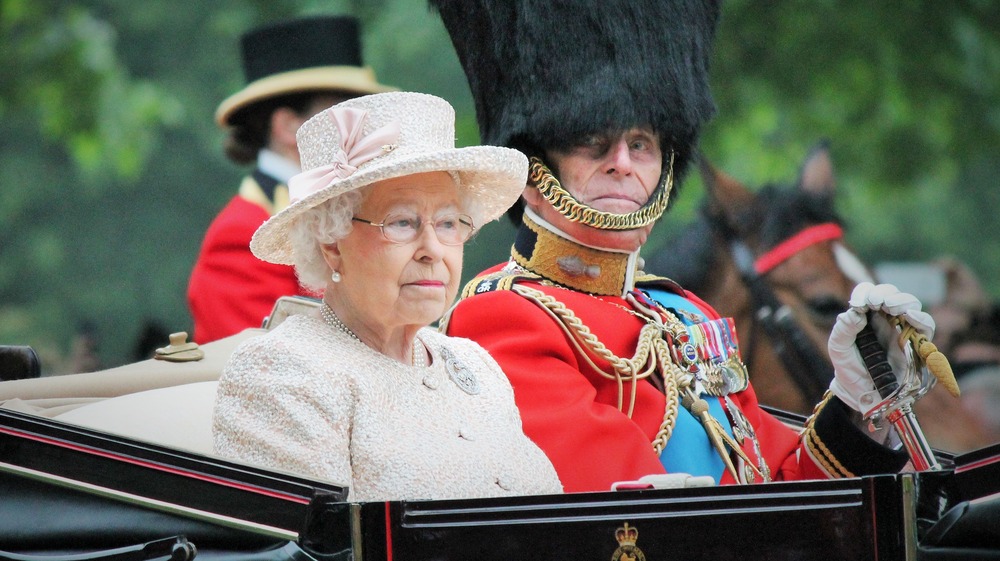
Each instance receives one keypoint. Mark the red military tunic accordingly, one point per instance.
(572, 412)
(230, 289)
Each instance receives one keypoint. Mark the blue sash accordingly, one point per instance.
(689, 450)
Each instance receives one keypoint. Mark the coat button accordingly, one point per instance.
(431, 382)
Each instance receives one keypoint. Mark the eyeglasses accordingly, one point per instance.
(451, 229)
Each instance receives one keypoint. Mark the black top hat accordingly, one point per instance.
(544, 74)
(321, 53)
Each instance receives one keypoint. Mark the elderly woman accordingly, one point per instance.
(362, 392)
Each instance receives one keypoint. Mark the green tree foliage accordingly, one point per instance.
(78, 92)
(111, 166)
(907, 93)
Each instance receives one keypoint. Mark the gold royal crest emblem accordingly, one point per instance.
(627, 551)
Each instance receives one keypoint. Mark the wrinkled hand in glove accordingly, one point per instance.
(851, 382)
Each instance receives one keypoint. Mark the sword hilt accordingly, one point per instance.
(876, 361)
(900, 415)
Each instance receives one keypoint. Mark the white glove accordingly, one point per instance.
(851, 381)
(665, 481)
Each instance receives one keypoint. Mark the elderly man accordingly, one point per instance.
(619, 374)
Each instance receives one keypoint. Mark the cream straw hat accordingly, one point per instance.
(383, 136)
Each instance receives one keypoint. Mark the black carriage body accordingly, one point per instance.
(780, 521)
(68, 490)
(71, 491)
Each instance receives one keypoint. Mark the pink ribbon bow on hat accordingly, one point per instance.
(355, 150)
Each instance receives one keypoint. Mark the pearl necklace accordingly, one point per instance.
(418, 359)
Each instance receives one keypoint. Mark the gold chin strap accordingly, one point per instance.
(541, 177)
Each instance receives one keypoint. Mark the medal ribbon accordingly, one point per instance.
(715, 340)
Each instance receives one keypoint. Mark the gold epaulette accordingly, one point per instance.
(499, 280)
(644, 279)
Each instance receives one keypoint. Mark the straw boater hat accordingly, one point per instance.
(377, 137)
(321, 53)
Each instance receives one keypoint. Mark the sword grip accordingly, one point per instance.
(902, 417)
(876, 360)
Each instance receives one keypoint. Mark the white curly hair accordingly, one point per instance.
(321, 225)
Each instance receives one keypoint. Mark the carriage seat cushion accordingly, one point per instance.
(176, 416)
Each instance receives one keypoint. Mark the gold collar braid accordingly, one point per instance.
(566, 204)
(571, 264)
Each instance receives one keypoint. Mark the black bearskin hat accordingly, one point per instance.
(545, 73)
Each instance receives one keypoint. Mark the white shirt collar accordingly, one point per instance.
(276, 165)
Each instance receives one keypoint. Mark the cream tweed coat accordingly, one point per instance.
(310, 399)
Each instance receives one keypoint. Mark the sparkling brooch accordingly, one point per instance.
(459, 373)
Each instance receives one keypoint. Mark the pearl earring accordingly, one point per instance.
(335, 277)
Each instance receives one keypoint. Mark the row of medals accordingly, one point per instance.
(708, 351)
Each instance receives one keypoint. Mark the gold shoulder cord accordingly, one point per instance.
(541, 177)
(652, 353)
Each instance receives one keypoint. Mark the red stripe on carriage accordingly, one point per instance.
(978, 464)
(388, 532)
(153, 465)
(781, 252)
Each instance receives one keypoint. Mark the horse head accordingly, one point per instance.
(774, 260)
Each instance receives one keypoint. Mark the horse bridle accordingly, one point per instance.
(809, 368)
